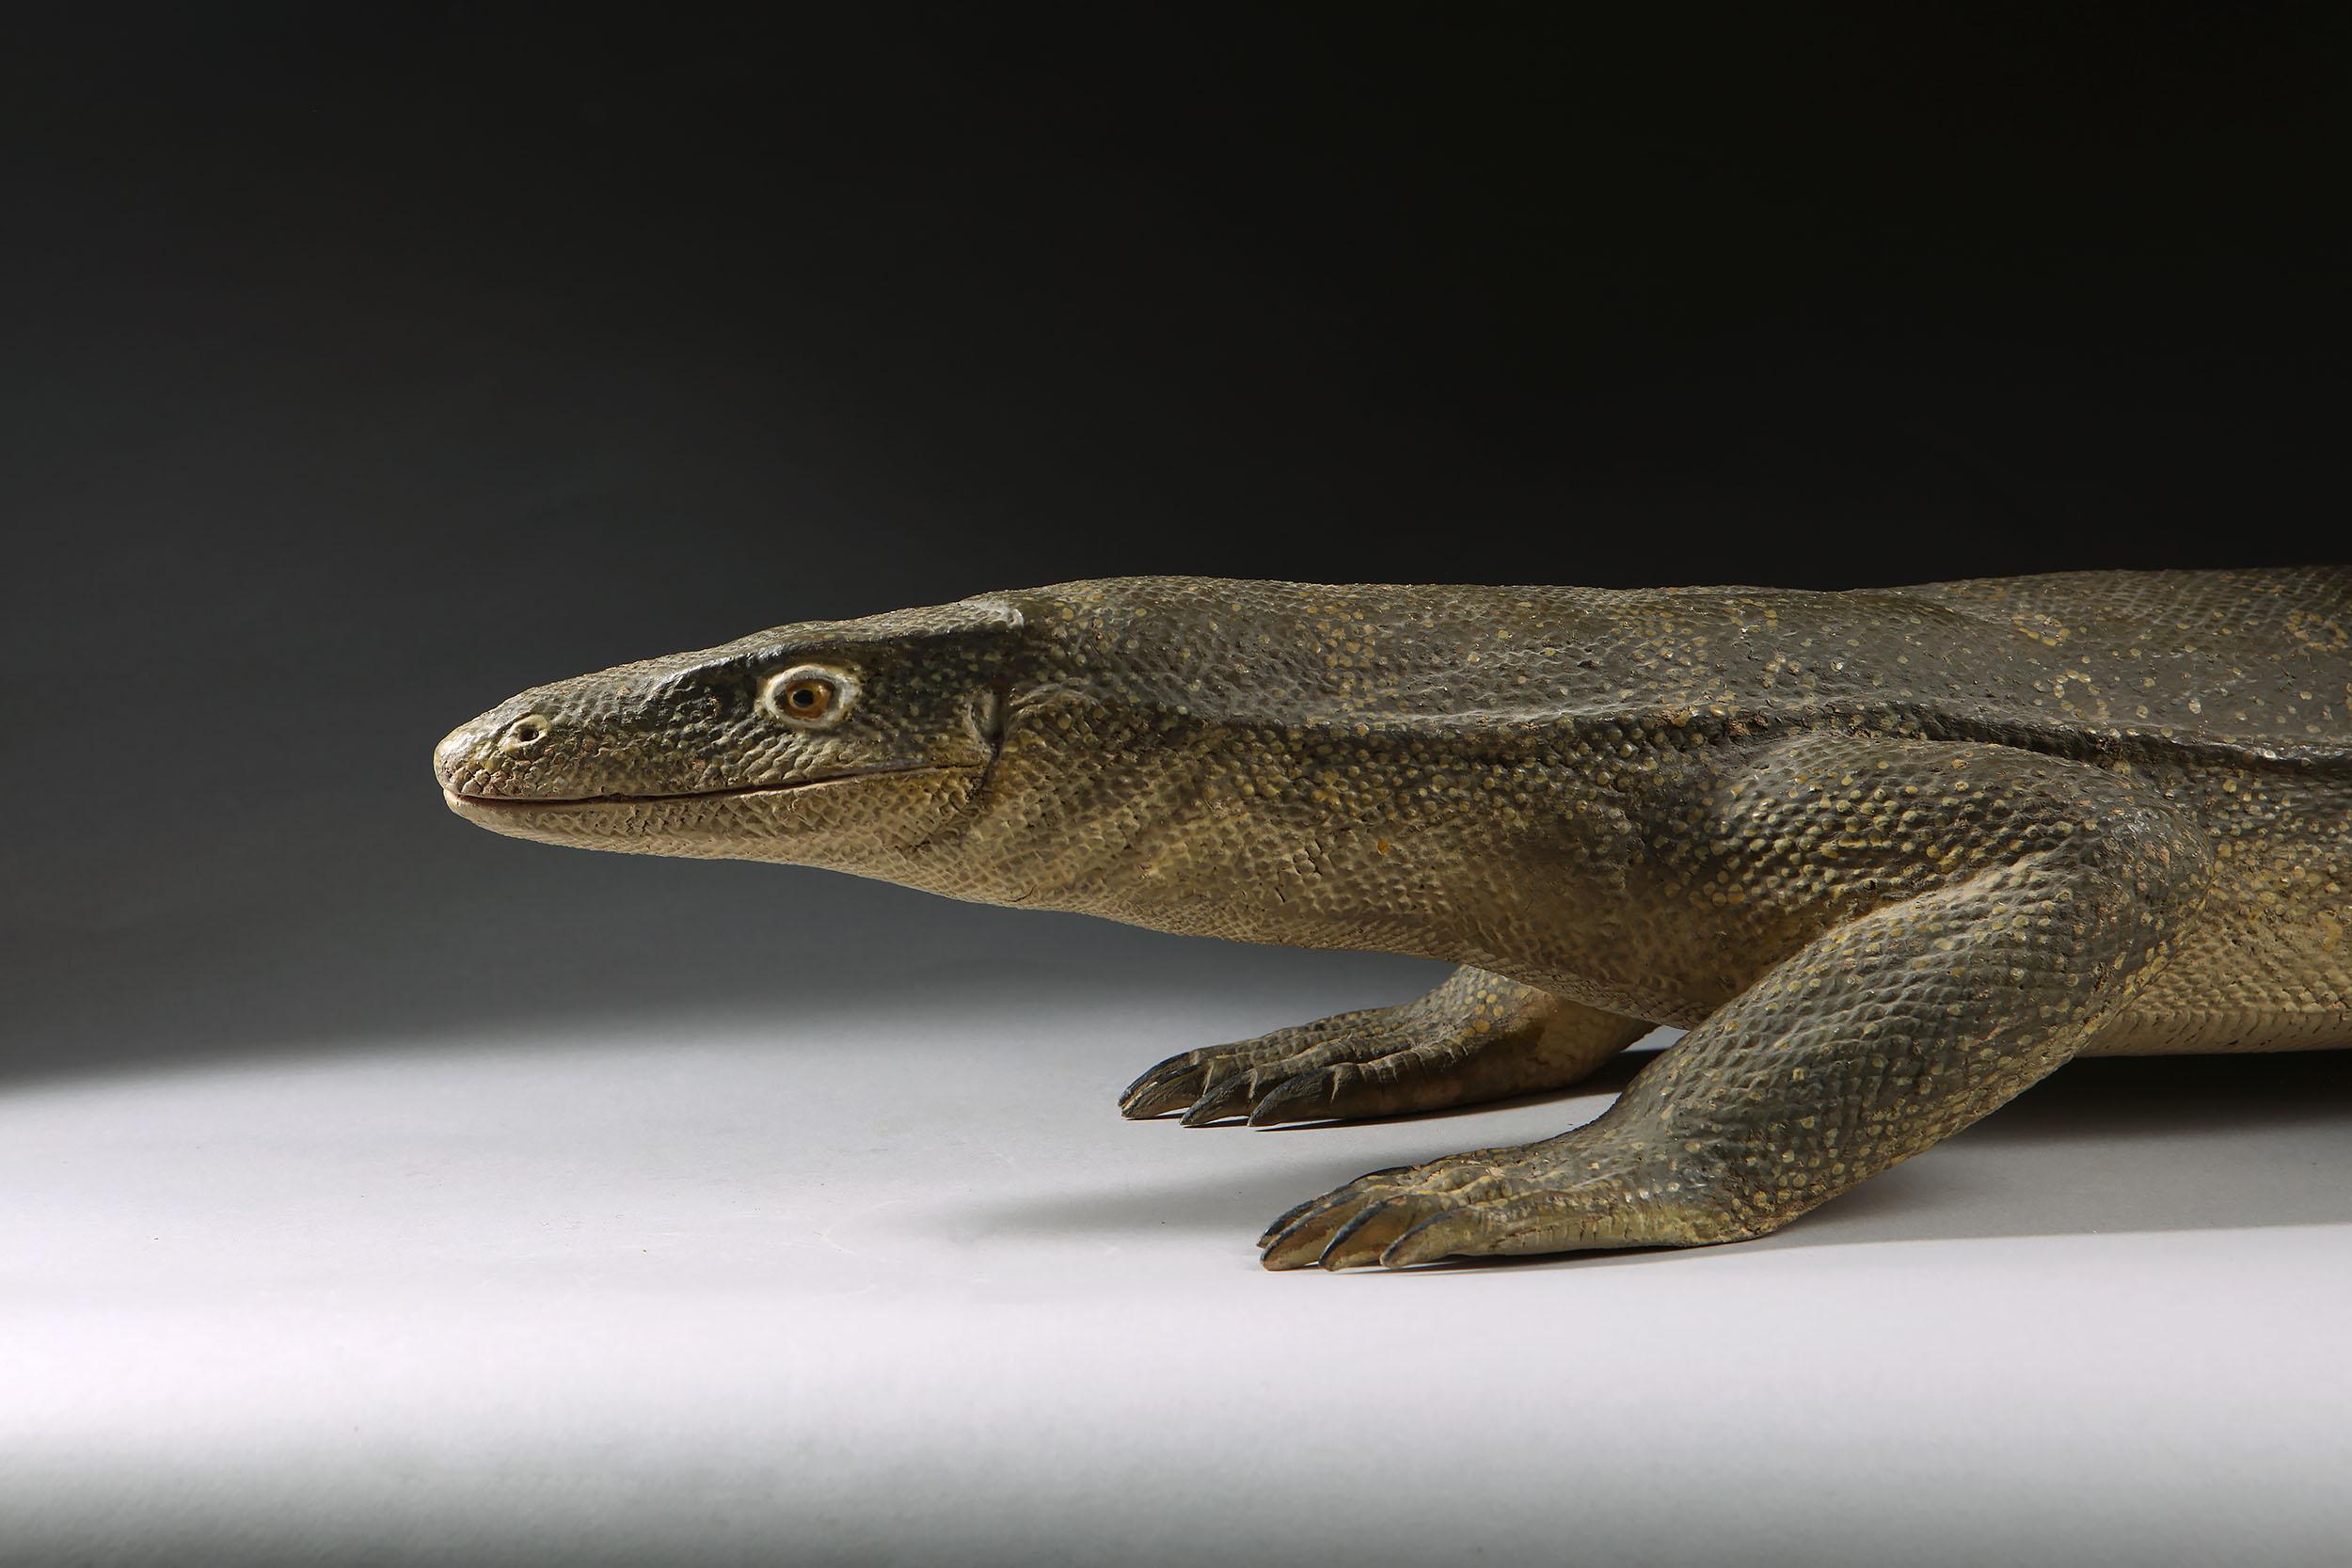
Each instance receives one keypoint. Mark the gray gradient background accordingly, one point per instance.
(359, 373)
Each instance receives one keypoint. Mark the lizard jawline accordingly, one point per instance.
(526, 804)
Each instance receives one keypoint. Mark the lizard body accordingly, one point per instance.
(1890, 856)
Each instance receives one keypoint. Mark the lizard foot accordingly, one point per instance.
(1584, 1189)
(1478, 1037)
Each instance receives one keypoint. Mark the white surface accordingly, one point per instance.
(906, 1289)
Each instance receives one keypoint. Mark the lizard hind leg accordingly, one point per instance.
(1476, 1038)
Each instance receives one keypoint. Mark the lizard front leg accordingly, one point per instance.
(1476, 1038)
(2038, 894)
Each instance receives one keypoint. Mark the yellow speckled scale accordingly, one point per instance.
(1890, 856)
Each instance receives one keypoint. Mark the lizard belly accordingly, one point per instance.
(2266, 965)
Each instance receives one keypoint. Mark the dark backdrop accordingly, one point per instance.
(367, 364)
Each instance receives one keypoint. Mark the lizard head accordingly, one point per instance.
(856, 745)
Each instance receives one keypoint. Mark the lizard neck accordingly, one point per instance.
(1401, 839)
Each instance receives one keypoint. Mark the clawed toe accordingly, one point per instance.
(1231, 1098)
(1363, 1239)
(1298, 1244)
(1440, 1235)
(1301, 1097)
(1172, 1085)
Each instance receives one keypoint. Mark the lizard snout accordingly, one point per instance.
(453, 759)
(472, 759)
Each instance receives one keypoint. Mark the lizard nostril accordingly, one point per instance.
(523, 734)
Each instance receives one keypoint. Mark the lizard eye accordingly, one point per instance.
(808, 695)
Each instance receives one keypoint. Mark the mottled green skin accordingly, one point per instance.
(1889, 857)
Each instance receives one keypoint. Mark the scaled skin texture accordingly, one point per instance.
(1889, 856)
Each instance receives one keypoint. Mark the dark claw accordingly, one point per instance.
(1289, 1100)
(1426, 1243)
(1289, 1217)
(1227, 1098)
(1363, 1239)
(1332, 1244)
(1302, 1241)
(1162, 1089)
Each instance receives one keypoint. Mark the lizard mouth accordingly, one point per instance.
(458, 801)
